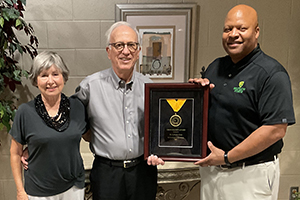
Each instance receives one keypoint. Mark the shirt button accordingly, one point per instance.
(225, 84)
(125, 108)
(127, 122)
(229, 75)
(130, 150)
(129, 136)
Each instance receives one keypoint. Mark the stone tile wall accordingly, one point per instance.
(76, 28)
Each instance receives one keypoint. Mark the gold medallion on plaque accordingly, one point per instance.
(176, 105)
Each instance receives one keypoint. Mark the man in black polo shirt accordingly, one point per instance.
(250, 109)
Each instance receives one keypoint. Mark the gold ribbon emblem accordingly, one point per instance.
(176, 105)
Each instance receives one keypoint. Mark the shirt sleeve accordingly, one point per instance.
(82, 93)
(276, 101)
(17, 131)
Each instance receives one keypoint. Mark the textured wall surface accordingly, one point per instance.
(76, 28)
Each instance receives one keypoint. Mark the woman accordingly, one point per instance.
(52, 126)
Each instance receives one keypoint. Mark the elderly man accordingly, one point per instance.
(114, 99)
(250, 109)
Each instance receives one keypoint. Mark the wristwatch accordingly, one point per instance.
(228, 164)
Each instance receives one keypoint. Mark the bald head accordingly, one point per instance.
(243, 11)
(241, 32)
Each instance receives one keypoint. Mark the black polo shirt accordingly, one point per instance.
(255, 91)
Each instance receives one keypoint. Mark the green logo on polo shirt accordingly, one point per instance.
(239, 89)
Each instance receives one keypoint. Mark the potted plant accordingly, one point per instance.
(11, 21)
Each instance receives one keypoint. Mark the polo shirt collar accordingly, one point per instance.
(249, 58)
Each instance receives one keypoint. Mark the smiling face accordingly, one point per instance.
(240, 32)
(50, 82)
(123, 61)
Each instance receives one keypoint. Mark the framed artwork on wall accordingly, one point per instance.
(156, 56)
(167, 32)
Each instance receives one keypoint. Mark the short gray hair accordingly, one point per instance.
(116, 25)
(44, 61)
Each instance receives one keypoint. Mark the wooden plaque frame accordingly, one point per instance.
(170, 141)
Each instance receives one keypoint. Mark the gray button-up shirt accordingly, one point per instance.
(116, 113)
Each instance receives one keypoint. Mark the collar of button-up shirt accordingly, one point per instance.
(121, 84)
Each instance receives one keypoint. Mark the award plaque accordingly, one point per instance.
(176, 121)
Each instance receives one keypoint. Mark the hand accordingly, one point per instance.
(154, 160)
(203, 82)
(216, 157)
(24, 158)
(22, 196)
(87, 136)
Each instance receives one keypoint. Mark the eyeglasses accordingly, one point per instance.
(119, 46)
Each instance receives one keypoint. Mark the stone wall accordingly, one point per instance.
(76, 28)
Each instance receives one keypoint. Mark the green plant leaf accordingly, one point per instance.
(12, 47)
(4, 15)
(23, 2)
(1, 113)
(18, 22)
(25, 73)
(10, 13)
(2, 62)
(6, 123)
(13, 114)
(7, 74)
(17, 76)
(8, 2)
(1, 22)
(5, 44)
(19, 48)
(7, 114)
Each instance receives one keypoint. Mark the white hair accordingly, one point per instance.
(116, 25)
